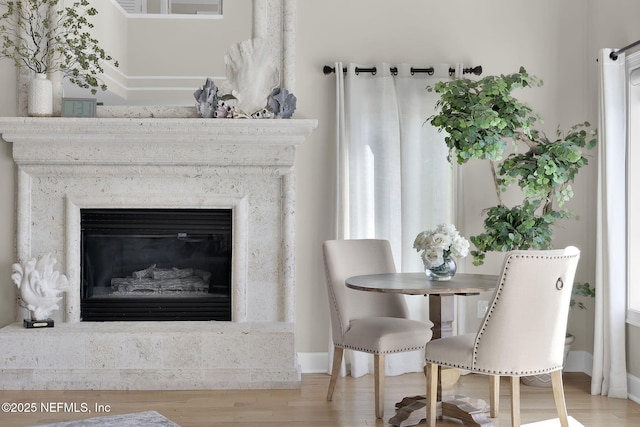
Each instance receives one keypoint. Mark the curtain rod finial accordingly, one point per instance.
(477, 70)
(328, 70)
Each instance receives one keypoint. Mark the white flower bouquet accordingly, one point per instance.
(439, 245)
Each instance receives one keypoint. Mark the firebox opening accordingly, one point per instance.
(155, 264)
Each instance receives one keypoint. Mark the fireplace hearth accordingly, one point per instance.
(155, 264)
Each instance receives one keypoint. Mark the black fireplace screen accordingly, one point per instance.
(156, 264)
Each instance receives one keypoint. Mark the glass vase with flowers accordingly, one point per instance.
(438, 247)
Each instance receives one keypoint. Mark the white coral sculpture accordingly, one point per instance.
(251, 75)
(39, 285)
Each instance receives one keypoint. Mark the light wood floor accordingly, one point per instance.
(352, 404)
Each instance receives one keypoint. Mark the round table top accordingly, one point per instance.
(419, 284)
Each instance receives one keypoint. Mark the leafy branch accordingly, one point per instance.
(582, 289)
(546, 170)
(478, 115)
(46, 37)
(518, 227)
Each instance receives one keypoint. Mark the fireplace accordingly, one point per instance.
(73, 172)
(155, 264)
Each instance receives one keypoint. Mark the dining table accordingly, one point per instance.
(441, 293)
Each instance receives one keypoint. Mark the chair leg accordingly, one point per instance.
(379, 377)
(515, 401)
(558, 397)
(335, 369)
(431, 370)
(494, 395)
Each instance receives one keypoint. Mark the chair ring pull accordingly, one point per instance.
(559, 284)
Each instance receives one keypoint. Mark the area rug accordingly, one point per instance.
(138, 419)
(553, 423)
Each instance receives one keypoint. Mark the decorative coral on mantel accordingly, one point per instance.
(207, 99)
(282, 103)
(252, 74)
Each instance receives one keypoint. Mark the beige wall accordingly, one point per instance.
(557, 41)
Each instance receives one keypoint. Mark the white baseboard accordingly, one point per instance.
(579, 361)
(313, 363)
(633, 388)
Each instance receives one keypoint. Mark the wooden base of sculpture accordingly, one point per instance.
(34, 324)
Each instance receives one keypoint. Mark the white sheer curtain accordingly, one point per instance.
(393, 176)
(609, 365)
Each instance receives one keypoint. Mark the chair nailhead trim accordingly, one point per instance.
(334, 300)
(400, 350)
(493, 372)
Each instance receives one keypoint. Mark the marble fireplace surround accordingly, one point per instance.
(66, 164)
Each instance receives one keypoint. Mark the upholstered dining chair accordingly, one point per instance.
(370, 322)
(522, 333)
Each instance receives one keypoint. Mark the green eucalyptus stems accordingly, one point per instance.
(478, 115)
(583, 290)
(45, 36)
(517, 227)
(480, 118)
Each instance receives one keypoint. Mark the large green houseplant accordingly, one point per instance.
(45, 36)
(482, 119)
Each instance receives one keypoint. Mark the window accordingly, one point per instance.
(633, 198)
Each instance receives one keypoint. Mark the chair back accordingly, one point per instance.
(347, 258)
(524, 329)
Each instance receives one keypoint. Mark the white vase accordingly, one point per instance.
(40, 97)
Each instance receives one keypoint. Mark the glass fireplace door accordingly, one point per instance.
(156, 264)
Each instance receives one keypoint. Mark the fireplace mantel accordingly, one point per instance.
(157, 140)
(246, 165)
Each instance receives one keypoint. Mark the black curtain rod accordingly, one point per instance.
(614, 55)
(394, 70)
